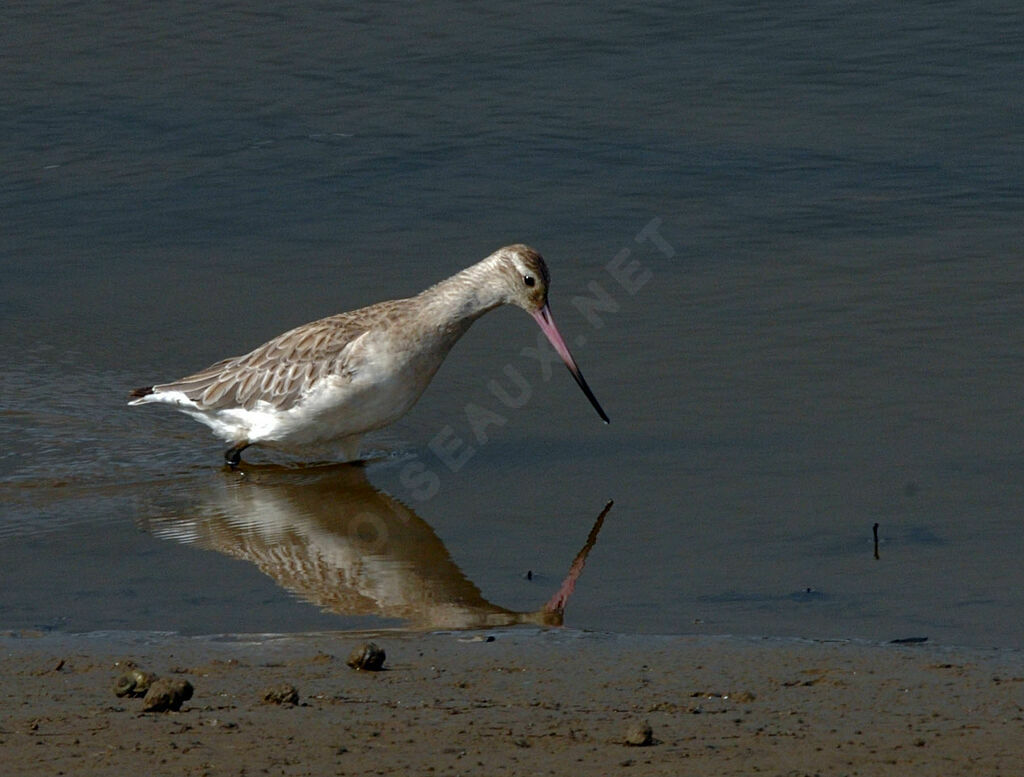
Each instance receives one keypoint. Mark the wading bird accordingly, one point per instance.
(329, 382)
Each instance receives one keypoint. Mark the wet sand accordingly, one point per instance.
(519, 701)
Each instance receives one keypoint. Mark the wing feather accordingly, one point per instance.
(279, 371)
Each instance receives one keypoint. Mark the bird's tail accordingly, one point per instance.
(143, 391)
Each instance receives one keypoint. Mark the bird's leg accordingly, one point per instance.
(233, 455)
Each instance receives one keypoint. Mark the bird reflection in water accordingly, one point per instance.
(327, 535)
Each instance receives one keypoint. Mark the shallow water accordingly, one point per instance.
(822, 330)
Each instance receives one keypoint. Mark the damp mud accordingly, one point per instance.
(520, 701)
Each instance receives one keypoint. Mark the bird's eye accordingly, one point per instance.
(528, 280)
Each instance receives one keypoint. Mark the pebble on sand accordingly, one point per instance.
(281, 694)
(167, 693)
(639, 734)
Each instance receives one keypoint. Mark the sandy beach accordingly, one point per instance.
(517, 701)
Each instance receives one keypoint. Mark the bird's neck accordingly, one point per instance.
(452, 305)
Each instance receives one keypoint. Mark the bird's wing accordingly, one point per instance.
(279, 371)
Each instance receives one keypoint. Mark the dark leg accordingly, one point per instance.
(234, 455)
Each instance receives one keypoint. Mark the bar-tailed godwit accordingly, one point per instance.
(329, 382)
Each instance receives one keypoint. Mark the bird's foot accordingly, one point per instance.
(233, 456)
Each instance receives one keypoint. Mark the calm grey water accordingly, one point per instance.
(786, 247)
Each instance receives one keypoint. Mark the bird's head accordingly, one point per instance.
(526, 278)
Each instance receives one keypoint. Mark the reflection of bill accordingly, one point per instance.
(327, 535)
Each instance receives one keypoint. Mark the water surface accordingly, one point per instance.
(822, 330)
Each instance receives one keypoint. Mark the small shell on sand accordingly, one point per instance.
(368, 657)
(133, 683)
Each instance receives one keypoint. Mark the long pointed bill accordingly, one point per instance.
(547, 326)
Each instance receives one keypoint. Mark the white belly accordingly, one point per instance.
(334, 409)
